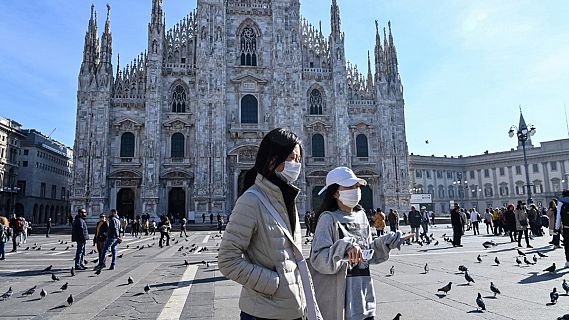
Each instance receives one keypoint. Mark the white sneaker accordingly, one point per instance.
(567, 264)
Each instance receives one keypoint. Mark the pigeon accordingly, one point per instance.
(129, 280)
(462, 268)
(520, 253)
(397, 316)
(54, 277)
(66, 248)
(435, 244)
(553, 295)
(186, 263)
(497, 261)
(550, 269)
(38, 248)
(478, 259)
(53, 249)
(446, 288)
(541, 255)
(27, 248)
(426, 267)
(120, 255)
(494, 289)
(64, 287)
(146, 288)
(48, 268)
(489, 244)
(392, 270)
(30, 291)
(43, 293)
(70, 300)
(7, 294)
(480, 302)
(73, 271)
(468, 277)
(444, 235)
(518, 261)
(534, 259)
(98, 272)
(526, 261)
(95, 261)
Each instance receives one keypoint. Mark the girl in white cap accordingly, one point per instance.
(343, 249)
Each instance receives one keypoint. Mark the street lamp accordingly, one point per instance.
(523, 133)
(12, 193)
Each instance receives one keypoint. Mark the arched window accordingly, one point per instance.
(318, 146)
(361, 146)
(248, 49)
(127, 145)
(179, 99)
(177, 145)
(315, 102)
(249, 109)
(450, 191)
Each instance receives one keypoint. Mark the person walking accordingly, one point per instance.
(203, 217)
(111, 242)
(146, 226)
(534, 216)
(211, 218)
(80, 235)
(415, 222)
(100, 237)
(48, 227)
(393, 219)
(510, 218)
(164, 227)
(487, 219)
(3, 240)
(307, 222)
(425, 222)
(124, 224)
(433, 218)
(496, 222)
(457, 225)
(404, 218)
(379, 222)
(475, 219)
(183, 225)
(268, 270)
(562, 222)
(522, 223)
(153, 227)
(16, 226)
(343, 250)
(220, 225)
(552, 215)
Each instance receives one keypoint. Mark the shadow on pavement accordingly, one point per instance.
(475, 311)
(537, 277)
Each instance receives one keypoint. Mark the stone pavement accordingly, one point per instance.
(199, 291)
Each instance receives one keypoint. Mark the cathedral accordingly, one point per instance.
(175, 130)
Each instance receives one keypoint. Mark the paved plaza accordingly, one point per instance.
(199, 291)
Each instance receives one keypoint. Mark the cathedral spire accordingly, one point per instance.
(107, 41)
(369, 82)
(91, 46)
(157, 14)
(393, 55)
(378, 55)
(335, 19)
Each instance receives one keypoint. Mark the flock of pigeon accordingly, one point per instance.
(72, 272)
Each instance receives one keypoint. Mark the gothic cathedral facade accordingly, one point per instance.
(175, 130)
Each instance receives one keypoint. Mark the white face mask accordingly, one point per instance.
(350, 198)
(290, 172)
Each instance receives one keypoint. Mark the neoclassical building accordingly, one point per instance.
(175, 129)
(493, 179)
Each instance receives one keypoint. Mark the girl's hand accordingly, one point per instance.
(354, 255)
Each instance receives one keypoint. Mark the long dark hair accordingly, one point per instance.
(330, 203)
(274, 149)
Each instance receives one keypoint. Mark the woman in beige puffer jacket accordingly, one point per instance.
(254, 250)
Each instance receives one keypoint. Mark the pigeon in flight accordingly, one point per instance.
(480, 302)
(446, 288)
(494, 289)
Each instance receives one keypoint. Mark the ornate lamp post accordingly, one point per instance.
(523, 133)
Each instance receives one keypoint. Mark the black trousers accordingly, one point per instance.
(525, 232)
(566, 242)
(456, 235)
(162, 236)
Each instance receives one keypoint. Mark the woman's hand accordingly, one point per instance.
(354, 255)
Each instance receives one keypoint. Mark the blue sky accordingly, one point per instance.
(466, 65)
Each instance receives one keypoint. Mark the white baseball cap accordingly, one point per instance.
(343, 176)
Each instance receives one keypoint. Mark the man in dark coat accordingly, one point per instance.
(457, 223)
(80, 234)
